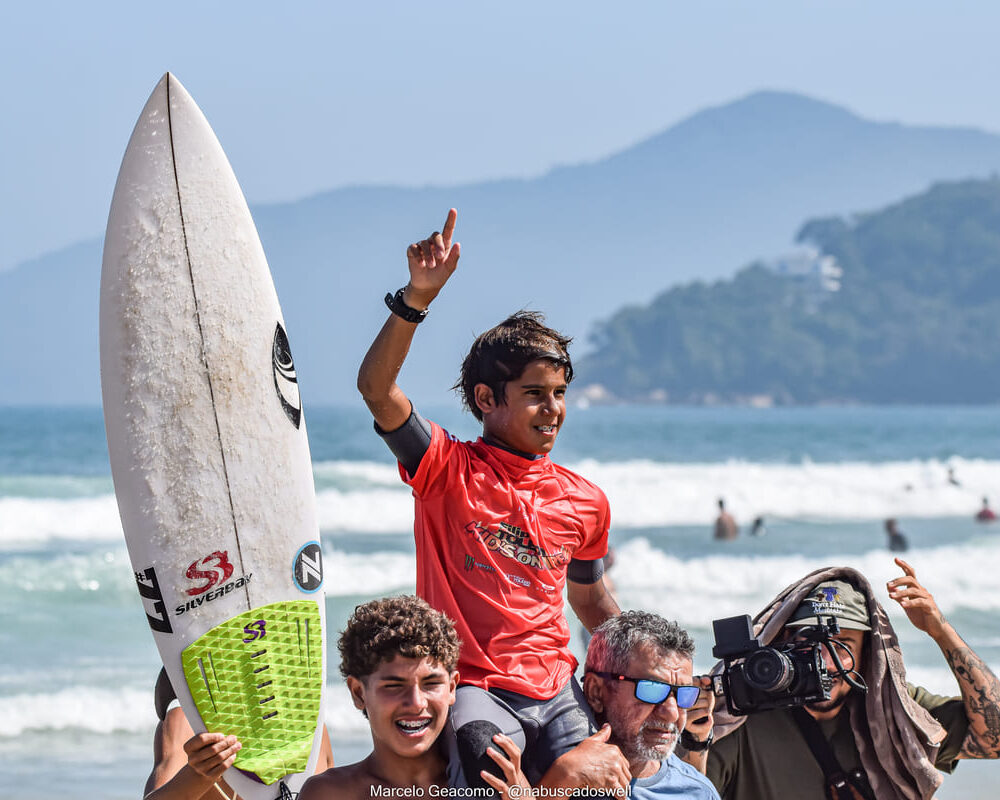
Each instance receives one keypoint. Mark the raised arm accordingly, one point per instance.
(980, 687)
(594, 764)
(698, 735)
(431, 263)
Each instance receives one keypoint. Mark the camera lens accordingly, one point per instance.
(768, 670)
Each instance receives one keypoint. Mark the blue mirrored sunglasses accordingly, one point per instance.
(654, 692)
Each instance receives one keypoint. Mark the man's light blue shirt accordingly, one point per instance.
(675, 778)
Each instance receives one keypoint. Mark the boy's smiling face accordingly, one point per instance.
(531, 412)
(407, 702)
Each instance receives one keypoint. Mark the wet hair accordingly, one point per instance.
(615, 639)
(503, 352)
(380, 630)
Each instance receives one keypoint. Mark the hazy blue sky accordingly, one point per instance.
(309, 96)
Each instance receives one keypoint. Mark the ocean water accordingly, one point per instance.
(77, 662)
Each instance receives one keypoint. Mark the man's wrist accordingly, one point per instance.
(944, 633)
(693, 745)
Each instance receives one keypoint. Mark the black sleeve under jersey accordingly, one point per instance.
(580, 571)
(409, 441)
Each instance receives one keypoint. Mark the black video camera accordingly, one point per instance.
(758, 678)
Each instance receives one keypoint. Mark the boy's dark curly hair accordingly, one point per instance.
(382, 629)
(502, 353)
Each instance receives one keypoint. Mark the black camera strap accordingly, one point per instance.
(840, 785)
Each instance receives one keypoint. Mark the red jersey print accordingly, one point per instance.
(494, 533)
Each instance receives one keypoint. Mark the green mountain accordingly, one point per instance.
(911, 316)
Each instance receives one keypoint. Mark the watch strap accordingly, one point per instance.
(398, 306)
(692, 745)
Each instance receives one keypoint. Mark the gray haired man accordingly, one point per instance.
(639, 679)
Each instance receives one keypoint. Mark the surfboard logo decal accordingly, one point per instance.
(255, 630)
(213, 568)
(307, 571)
(285, 382)
(149, 590)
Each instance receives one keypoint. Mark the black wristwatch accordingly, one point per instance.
(692, 745)
(398, 307)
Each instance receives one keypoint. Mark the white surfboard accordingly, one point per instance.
(208, 449)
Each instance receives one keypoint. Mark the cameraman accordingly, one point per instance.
(884, 743)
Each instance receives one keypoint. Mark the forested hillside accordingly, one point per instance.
(916, 318)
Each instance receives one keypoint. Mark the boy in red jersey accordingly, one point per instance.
(500, 530)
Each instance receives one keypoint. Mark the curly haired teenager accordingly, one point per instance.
(398, 658)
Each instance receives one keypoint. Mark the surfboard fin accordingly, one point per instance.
(258, 676)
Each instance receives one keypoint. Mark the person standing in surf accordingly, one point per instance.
(500, 529)
(725, 526)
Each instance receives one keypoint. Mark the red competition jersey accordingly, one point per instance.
(495, 533)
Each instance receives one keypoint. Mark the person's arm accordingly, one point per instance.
(591, 602)
(594, 764)
(187, 766)
(325, 760)
(340, 783)
(979, 686)
(698, 727)
(508, 758)
(431, 262)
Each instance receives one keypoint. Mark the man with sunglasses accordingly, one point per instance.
(639, 680)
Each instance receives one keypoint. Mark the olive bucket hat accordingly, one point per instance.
(833, 599)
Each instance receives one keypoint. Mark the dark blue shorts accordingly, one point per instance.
(543, 729)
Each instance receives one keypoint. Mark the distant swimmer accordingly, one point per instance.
(897, 541)
(951, 477)
(758, 528)
(725, 525)
(986, 514)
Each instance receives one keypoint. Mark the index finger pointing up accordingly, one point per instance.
(905, 567)
(449, 228)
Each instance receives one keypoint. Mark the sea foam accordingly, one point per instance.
(105, 711)
(708, 587)
(368, 497)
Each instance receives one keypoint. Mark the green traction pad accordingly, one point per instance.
(259, 677)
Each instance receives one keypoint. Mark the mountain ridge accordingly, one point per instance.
(577, 242)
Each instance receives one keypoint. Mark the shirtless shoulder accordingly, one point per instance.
(350, 782)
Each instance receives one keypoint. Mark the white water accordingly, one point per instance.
(367, 497)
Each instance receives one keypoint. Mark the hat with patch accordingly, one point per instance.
(833, 599)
